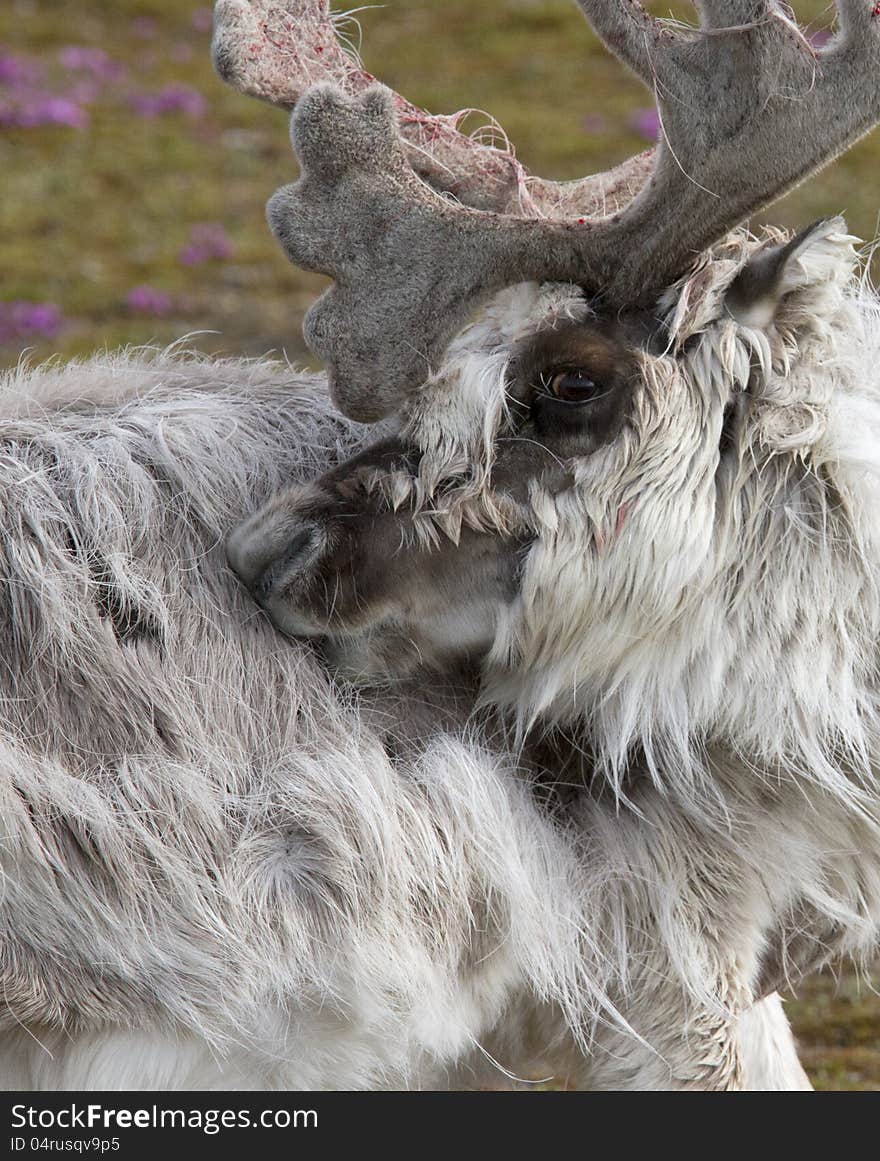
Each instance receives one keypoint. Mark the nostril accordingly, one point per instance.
(262, 585)
(281, 569)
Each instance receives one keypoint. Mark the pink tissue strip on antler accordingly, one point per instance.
(276, 49)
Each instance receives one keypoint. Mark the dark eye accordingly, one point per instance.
(572, 386)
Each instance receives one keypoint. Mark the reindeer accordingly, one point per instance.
(223, 869)
(638, 493)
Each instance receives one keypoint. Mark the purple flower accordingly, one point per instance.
(17, 71)
(207, 240)
(148, 300)
(646, 122)
(29, 103)
(820, 37)
(203, 20)
(60, 111)
(45, 109)
(144, 104)
(29, 320)
(182, 99)
(94, 61)
(172, 99)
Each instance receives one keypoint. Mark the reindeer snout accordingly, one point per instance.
(271, 563)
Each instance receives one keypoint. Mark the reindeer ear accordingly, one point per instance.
(818, 254)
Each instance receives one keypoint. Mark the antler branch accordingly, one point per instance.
(634, 36)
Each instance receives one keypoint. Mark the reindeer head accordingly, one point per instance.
(622, 488)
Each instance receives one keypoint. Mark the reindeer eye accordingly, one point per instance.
(573, 386)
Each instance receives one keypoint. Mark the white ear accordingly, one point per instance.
(819, 254)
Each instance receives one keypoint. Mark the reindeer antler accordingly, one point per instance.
(747, 108)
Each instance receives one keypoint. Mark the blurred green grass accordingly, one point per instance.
(87, 215)
(837, 1022)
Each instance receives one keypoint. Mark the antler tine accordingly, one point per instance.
(858, 43)
(748, 110)
(855, 19)
(273, 50)
(634, 36)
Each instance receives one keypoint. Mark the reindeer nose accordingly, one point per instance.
(264, 565)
